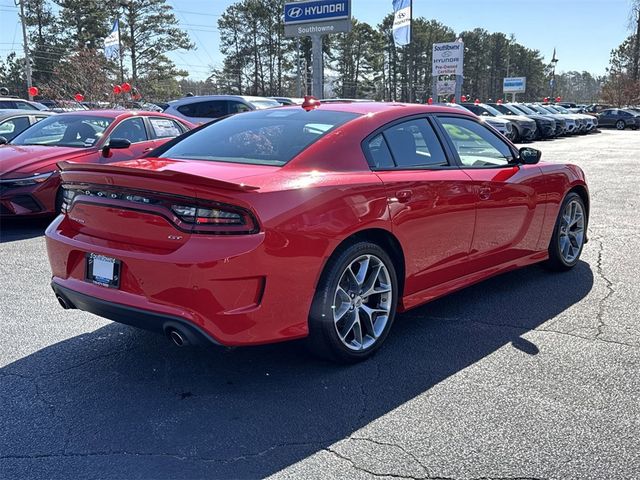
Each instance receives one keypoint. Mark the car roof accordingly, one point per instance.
(365, 108)
(10, 112)
(204, 98)
(116, 113)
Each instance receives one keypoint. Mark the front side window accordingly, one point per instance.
(476, 145)
(131, 129)
(262, 137)
(80, 131)
(414, 144)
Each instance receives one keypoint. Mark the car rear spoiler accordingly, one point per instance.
(170, 175)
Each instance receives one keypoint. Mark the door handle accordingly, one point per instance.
(484, 193)
(404, 196)
(147, 149)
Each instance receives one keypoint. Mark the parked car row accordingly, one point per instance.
(534, 121)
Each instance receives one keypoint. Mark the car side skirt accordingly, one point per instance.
(425, 296)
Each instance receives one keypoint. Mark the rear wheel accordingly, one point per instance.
(620, 125)
(354, 305)
(569, 234)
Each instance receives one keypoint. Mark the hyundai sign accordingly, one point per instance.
(514, 85)
(317, 17)
(316, 11)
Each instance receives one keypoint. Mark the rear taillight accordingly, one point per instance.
(189, 214)
(217, 216)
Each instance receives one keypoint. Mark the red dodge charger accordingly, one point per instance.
(319, 221)
(29, 181)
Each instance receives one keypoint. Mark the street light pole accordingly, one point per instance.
(27, 58)
(554, 62)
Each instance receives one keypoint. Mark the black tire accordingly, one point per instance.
(323, 338)
(557, 261)
(621, 125)
(516, 135)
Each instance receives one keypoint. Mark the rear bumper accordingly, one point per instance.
(136, 317)
(234, 289)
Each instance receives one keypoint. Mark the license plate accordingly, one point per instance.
(104, 271)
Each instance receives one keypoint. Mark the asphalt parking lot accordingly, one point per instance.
(529, 375)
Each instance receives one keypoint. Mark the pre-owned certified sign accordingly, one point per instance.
(316, 11)
(514, 85)
(448, 58)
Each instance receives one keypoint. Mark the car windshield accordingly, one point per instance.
(267, 137)
(508, 110)
(525, 109)
(80, 131)
(266, 103)
(546, 109)
(558, 108)
(491, 110)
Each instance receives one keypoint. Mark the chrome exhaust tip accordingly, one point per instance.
(177, 338)
(63, 303)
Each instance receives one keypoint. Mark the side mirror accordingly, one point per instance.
(115, 143)
(3, 141)
(529, 156)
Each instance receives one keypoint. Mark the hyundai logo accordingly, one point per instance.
(295, 12)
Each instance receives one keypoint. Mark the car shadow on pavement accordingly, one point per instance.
(122, 403)
(22, 228)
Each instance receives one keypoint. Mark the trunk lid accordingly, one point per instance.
(132, 202)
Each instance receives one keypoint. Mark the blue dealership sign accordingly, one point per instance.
(514, 85)
(316, 11)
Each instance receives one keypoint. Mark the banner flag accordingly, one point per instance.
(112, 42)
(402, 22)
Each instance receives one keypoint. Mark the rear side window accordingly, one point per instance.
(379, 152)
(414, 144)
(262, 137)
(165, 127)
(207, 109)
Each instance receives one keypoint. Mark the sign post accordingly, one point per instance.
(315, 19)
(447, 69)
(514, 85)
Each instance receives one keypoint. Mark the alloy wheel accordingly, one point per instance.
(620, 125)
(362, 302)
(571, 235)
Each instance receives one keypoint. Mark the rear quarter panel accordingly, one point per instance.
(559, 180)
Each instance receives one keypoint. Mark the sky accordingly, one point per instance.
(583, 31)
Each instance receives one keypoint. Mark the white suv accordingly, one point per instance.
(13, 103)
(203, 109)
